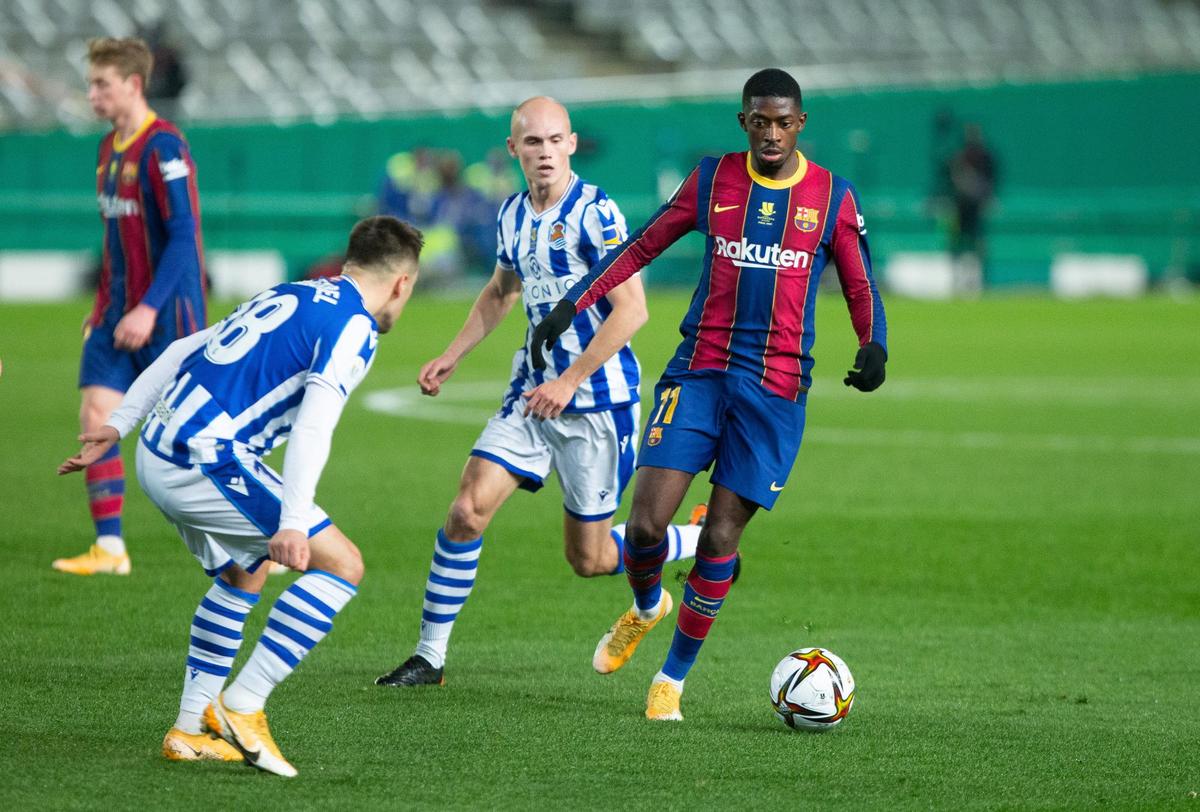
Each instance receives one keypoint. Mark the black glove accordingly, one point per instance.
(870, 361)
(549, 329)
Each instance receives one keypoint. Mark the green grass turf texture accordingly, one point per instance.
(1001, 542)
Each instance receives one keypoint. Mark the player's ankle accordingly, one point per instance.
(113, 545)
(651, 612)
(661, 677)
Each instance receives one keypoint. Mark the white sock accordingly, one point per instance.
(215, 638)
(300, 619)
(451, 578)
(682, 540)
(113, 545)
(651, 613)
(661, 677)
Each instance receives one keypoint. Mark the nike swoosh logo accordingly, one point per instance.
(720, 208)
(776, 488)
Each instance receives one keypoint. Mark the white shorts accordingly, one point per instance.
(592, 452)
(225, 512)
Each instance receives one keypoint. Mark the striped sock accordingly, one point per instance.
(643, 568)
(300, 618)
(682, 540)
(707, 586)
(106, 493)
(451, 577)
(216, 636)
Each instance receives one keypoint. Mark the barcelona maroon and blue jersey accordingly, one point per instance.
(146, 188)
(768, 241)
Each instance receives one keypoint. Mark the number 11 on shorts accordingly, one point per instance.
(668, 400)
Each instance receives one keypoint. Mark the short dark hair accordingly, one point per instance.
(771, 83)
(376, 240)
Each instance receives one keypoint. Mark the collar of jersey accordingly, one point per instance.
(772, 183)
(539, 215)
(121, 146)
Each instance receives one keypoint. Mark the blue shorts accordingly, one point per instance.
(104, 365)
(712, 416)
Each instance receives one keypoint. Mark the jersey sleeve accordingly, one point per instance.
(308, 451)
(853, 260)
(602, 228)
(343, 355)
(675, 218)
(169, 177)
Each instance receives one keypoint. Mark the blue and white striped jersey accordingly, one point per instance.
(240, 392)
(550, 251)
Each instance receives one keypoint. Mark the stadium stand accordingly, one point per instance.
(321, 58)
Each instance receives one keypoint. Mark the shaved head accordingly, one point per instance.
(542, 141)
(540, 110)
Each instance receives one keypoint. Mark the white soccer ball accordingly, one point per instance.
(812, 689)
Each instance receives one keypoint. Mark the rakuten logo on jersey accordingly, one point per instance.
(113, 206)
(745, 254)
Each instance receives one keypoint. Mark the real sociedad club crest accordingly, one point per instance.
(806, 219)
(558, 236)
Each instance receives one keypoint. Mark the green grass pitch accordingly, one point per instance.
(1002, 542)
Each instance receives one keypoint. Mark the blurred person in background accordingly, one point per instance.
(493, 177)
(169, 76)
(151, 289)
(467, 211)
(973, 180)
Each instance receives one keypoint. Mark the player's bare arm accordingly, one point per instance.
(490, 308)
(629, 313)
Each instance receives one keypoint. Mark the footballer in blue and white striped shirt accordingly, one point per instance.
(578, 417)
(280, 367)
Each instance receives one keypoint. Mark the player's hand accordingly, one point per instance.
(868, 372)
(435, 373)
(95, 445)
(135, 327)
(547, 401)
(290, 548)
(549, 329)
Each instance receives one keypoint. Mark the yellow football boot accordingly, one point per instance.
(181, 746)
(617, 646)
(662, 704)
(248, 732)
(95, 561)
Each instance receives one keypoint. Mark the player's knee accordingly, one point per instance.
(349, 564)
(466, 520)
(91, 416)
(718, 540)
(586, 564)
(642, 533)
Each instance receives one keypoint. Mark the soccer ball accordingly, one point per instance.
(812, 689)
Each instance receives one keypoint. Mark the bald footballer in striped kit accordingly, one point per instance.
(577, 417)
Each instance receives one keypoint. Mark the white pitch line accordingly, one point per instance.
(459, 403)
(997, 441)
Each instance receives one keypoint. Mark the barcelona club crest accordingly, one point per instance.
(766, 213)
(655, 435)
(558, 236)
(129, 172)
(806, 219)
